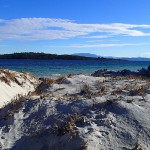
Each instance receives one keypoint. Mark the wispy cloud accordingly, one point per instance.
(106, 45)
(101, 45)
(146, 53)
(101, 40)
(94, 41)
(98, 36)
(50, 29)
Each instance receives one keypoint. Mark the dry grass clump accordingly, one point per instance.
(47, 83)
(84, 144)
(119, 90)
(130, 77)
(113, 93)
(137, 90)
(97, 84)
(72, 97)
(15, 80)
(101, 92)
(100, 86)
(117, 78)
(4, 79)
(133, 89)
(85, 90)
(69, 126)
(111, 101)
(8, 77)
(70, 75)
(13, 107)
(137, 77)
(44, 85)
(130, 100)
(17, 100)
(60, 79)
(137, 147)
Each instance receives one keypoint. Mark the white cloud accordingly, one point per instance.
(101, 40)
(106, 45)
(98, 36)
(101, 45)
(146, 53)
(49, 29)
(94, 41)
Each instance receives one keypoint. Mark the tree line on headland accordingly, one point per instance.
(33, 55)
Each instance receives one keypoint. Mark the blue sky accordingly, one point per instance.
(103, 27)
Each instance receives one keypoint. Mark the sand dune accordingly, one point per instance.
(80, 112)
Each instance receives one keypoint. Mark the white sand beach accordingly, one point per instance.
(75, 112)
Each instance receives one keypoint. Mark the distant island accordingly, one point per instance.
(45, 56)
(112, 57)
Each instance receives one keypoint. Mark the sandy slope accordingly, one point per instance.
(14, 84)
(80, 112)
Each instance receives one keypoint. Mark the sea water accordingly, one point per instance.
(45, 68)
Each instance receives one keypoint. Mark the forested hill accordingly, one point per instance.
(32, 55)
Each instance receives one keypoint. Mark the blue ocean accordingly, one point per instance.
(45, 68)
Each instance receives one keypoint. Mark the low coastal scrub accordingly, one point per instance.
(44, 85)
(132, 89)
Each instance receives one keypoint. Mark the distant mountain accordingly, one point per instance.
(111, 57)
(86, 55)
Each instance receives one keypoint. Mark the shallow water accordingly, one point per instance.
(58, 67)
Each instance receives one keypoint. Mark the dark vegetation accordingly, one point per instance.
(32, 55)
